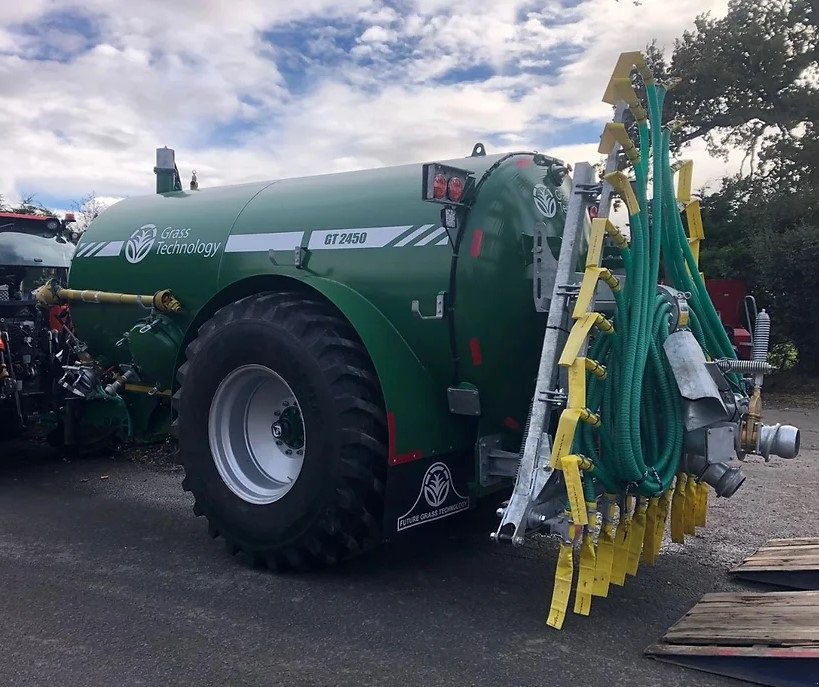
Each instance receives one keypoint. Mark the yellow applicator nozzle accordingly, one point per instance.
(564, 573)
(605, 547)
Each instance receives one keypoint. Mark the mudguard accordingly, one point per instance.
(420, 425)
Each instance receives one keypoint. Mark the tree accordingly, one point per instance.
(29, 205)
(750, 81)
(87, 209)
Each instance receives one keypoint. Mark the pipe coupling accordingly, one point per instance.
(724, 478)
(781, 440)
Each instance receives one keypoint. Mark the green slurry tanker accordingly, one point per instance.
(346, 357)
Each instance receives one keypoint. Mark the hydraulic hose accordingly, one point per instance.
(619, 442)
(638, 445)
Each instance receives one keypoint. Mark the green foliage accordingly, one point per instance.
(750, 80)
(747, 80)
(783, 356)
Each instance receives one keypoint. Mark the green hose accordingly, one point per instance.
(639, 443)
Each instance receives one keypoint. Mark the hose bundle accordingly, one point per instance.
(621, 434)
(638, 445)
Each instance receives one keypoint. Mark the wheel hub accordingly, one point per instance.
(256, 434)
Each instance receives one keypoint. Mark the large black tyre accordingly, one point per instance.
(334, 507)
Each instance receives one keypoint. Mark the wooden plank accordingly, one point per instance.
(795, 541)
(746, 639)
(763, 597)
(753, 614)
(775, 618)
(770, 638)
(743, 651)
(782, 564)
(785, 552)
(786, 549)
(703, 626)
(793, 567)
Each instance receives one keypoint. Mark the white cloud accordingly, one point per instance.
(203, 78)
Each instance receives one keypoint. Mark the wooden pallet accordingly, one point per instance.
(771, 639)
(790, 563)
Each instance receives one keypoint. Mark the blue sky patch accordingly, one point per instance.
(58, 36)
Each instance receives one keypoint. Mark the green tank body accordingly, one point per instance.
(342, 358)
(371, 245)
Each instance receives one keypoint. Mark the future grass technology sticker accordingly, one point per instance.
(437, 499)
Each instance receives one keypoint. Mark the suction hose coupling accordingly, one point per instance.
(724, 478)
(781, 440)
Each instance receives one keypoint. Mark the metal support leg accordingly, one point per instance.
(535, 471)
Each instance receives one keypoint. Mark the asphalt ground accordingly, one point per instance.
(108, 579)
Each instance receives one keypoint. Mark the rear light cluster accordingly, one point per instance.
(444, 184)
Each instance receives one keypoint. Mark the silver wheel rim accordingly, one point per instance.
(256, 434)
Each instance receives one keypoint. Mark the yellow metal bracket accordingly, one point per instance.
(621, 184)
(685, 174)
(614, 133)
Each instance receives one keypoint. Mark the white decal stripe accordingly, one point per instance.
(95, 249)
(82, 251)
(443, 241)
(109, 250)
(434, 235)
(359, 237)
(412, 236)
(255, 243)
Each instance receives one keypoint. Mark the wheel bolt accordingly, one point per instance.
(299, 452)
(276, 429)
(278, 443)
(288, 452)
(285, 403)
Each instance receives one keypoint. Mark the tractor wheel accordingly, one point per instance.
(282, 432)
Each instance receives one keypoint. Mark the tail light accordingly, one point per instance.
(445, 184)
(439, 187)
(455, 189)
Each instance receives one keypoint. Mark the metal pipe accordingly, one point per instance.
(53, 294)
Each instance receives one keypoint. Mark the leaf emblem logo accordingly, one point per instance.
(544, 200)
(436, 485)
(140, 243)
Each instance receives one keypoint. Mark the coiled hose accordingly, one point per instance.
(637, 447)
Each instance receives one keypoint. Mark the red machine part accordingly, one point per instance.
(728, 296)
(59, 318)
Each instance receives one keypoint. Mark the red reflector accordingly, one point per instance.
(406, 457)
(455, 189)
(511, 423)
(475, 350)
(439, 186)
(593, 212)
(393, 458)
(477, 243)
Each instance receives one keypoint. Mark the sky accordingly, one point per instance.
(253, 89)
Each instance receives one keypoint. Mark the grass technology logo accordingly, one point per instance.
(437, 499)
(140, 243)
(170, 241)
